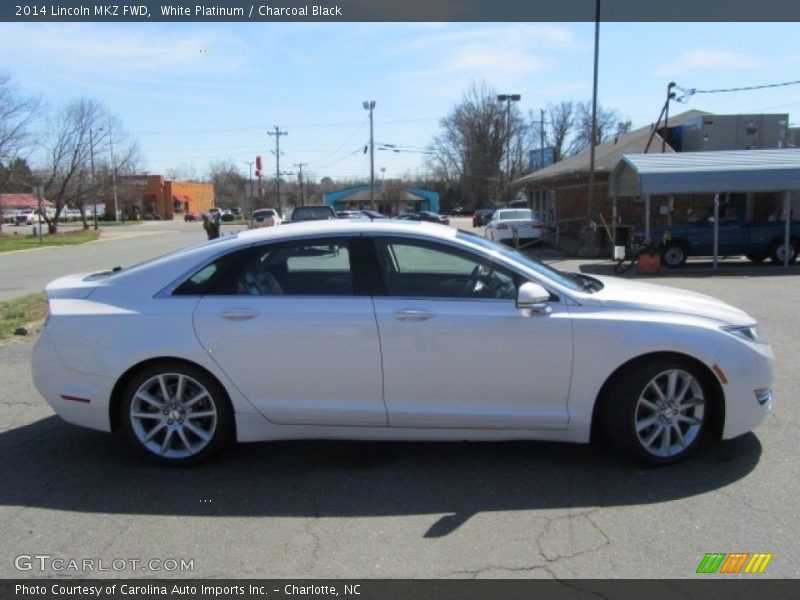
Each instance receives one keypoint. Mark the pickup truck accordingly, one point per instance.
(757, 240)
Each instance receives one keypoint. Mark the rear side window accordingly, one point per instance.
(312, 267)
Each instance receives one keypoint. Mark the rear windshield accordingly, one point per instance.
(311, 213)
(515, 214)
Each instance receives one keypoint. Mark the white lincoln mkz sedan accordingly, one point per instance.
(382, 330)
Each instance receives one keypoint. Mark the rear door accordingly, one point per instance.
(292, 326)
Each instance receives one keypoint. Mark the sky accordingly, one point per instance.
(194, 94)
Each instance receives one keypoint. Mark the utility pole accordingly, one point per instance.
(113, 171)
(370, 106)
(249, 195)
(508, 99)
(300, 178)
(277, 152)
(593, 143)
(91, 161)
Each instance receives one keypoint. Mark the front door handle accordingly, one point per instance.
(239, 314)
(412, 314)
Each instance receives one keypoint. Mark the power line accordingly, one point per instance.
(689, 92)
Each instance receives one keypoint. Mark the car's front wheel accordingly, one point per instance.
(656, 411)
(176, 414)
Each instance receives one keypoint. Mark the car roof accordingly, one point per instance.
(347, 227)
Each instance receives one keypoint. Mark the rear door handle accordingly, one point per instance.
(412, 314)
(239, 314)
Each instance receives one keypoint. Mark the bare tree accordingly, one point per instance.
(471, 146)
(607, 121)
(17, 114)
(79, 153)
(561, 119)
(229, 184)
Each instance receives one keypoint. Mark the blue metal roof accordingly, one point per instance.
(706, 172)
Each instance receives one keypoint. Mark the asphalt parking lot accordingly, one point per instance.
(389, 510)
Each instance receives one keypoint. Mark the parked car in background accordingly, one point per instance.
(28, 216)
(459, 211)
(425, 215)
(192, 216)
(265, 217)
(482, 216)
(508, 224)
(256, 328)
(227, 215)
(312, 213)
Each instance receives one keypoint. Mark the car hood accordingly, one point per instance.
(634, 295)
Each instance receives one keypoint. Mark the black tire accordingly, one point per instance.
(191, 426)
(776, 251)
(757, 257)
(675, 254)
(634, 418)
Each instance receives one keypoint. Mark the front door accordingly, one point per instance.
(457, 353)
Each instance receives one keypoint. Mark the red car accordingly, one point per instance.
(191, 217)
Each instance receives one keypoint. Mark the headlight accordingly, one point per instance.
(746, 332)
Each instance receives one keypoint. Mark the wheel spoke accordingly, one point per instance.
(162, 381)
(666, 440)
(652, 437)
(165, 443)
(184, 439)
(203, 435)
(690, 420)
(648, 405)
(180, 389)
(200, 415)
(645, 423)
(143, 415)
(672, 383)
(192, 401)
(687, 383)
(679, 434)
(152, 433)
(151, 400)
(690, 403)
(657, 389)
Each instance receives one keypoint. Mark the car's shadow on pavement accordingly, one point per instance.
(49, 464)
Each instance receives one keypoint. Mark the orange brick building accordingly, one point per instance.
(155, 195)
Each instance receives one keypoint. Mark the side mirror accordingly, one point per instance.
(534, 297)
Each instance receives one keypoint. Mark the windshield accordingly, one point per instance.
(564, 279)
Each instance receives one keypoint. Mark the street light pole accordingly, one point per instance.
(508, 99)
(370, 106)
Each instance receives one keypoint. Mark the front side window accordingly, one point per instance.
(415, 268)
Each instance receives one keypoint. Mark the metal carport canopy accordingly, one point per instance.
(646, 175)
(706, 172)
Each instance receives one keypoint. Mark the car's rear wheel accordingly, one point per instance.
(176, 414)
(656, 411)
